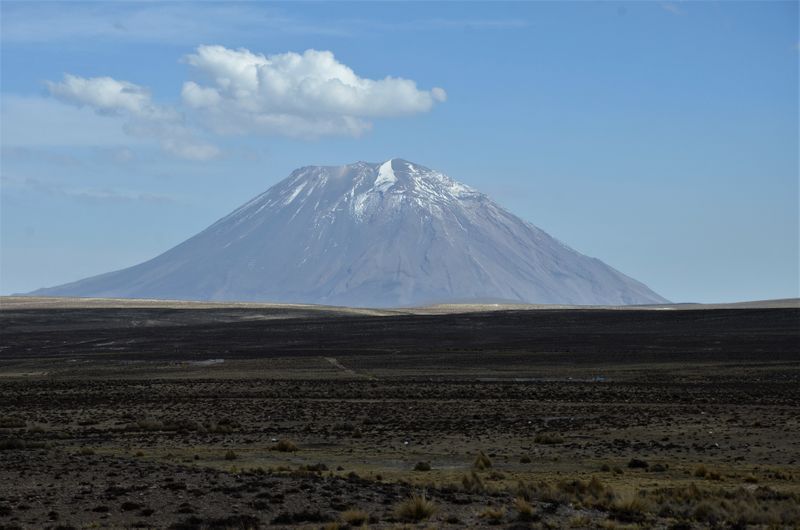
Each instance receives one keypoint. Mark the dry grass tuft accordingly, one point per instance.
(415, 508)
(580, 521)
(473, 483)
(702, 471)
(482, 462)
(284, 446)
(355, 517)
(524, 509)
(630, 508)
(493, 515)
(548, 438)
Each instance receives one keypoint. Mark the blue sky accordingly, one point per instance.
(659, 137)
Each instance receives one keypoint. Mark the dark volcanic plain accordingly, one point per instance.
(147, 414)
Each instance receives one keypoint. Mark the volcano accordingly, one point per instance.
(370, 234)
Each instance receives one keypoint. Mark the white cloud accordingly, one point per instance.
(146, 119)
(196, 96)
(104, 94)
(304, 95)
(308, 94)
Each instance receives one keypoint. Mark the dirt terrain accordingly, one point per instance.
(237, 416)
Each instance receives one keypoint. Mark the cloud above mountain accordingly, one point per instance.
(240, 92)
(145, 119)
(308, 94)
(104, 94)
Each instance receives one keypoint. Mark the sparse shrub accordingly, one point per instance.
(525, 459)
(591, 493)
(548, 438)
(524, 509)
(496, 475)
(605, 468)
(316, 468)
(580, 521)
(629, 508)
(223, 426)
(473, 483)
(637, 463)
(597, 489)
(777, 474)
(422, 466)
(702, 471)
(524, 491)
(482, 462)
(493, 515)
(284, 446)
(230, 455)
(86, 451)
(705, 511)
(415, 508)
(355, 517)
(547, 493)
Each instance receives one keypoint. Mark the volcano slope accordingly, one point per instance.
(150, 414)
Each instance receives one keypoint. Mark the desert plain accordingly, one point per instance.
(150, 414)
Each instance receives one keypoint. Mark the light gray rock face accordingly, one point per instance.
(389, 234)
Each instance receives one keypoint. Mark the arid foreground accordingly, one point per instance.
(203, 416)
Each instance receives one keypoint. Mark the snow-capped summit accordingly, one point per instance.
(386, 234)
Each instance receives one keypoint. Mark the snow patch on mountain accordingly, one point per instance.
(386, 177)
